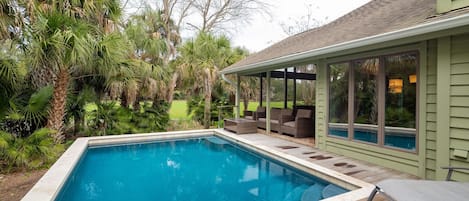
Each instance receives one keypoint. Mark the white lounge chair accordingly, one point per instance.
(425, 190)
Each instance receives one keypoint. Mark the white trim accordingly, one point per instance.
(420, 29)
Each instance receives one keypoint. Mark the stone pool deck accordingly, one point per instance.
(304, 149)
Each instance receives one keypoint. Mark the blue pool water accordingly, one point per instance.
(203, 169)
(390, 139)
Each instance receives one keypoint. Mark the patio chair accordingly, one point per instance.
(425, 190)
(254, 115)
(275, 119)
(302, 125)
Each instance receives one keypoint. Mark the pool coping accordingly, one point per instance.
(48, 187)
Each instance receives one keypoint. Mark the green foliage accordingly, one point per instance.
(399, 117)
(27, 111)
(36, 151)
(196, 109)
(110, 119)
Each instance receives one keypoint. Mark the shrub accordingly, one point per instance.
(111, 119)
(35, 151)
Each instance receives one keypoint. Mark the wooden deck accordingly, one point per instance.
(303, 148)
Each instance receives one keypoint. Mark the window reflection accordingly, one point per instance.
(366, 100)
(401, 100)
(338, 99)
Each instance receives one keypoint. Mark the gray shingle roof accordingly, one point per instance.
(373, 18)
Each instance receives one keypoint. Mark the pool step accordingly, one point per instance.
(216, 140)
(312, 193)
(332, 190)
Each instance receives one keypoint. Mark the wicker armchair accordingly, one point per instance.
(254, 115)
(275, 118)
(302, 125)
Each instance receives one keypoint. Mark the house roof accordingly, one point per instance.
(374, 18)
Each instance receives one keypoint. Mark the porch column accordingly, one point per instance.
(294, 87)
(262, 90)
(238, 93)
(267, 97)
(285, 88)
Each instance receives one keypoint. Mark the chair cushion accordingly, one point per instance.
(273, 121)
(262, 119)
(289, 124)
(249, 117)
(302, 113)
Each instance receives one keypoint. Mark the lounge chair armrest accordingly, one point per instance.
(302, 122)
(248, 112)
(451, 169)
(286, 118)
(261, 115)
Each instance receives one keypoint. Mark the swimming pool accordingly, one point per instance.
(189, 165)
(207, 168)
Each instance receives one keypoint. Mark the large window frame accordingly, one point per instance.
(381, 79)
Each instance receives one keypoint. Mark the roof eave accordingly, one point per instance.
(425, 28)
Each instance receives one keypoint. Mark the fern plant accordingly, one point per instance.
(36, 151)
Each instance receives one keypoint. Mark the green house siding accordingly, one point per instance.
(430, 128)
(321, 105)
(459, 103)
(447, 5)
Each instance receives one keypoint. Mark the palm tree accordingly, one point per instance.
(202, 58)
(64, 40)
(155, 38)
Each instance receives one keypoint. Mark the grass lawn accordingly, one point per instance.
(178, 110)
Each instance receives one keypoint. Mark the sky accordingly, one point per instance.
(264, 30)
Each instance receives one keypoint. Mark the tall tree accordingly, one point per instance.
(218, 14)
(66, 37)
(202, 58)
(304, 22)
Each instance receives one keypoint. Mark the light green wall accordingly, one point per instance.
(447, 5)
(442, 105)
(321, 105)
(430, 112)
(459, 103)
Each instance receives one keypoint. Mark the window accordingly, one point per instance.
(374, 100)
(338, 99)
(365, 110)
(400, 101)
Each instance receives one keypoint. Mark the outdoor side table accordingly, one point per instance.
(241, 126)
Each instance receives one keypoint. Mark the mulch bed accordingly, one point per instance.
(13, 186)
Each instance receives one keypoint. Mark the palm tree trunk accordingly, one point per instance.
(57, 110)
(208, 101)
(172, 86)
